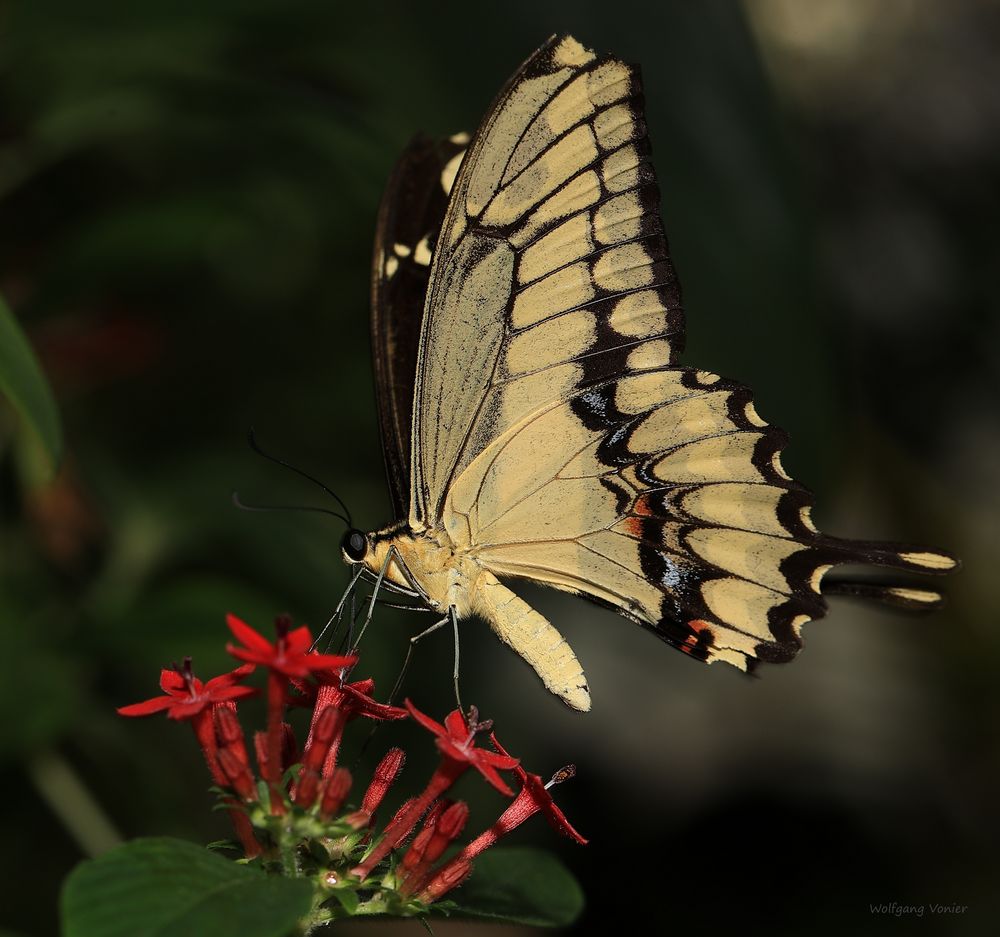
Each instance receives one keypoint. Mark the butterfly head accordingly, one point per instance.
(354, 547)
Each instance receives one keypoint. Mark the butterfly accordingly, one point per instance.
(535, 421)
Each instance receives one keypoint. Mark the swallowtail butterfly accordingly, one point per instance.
(535, 419)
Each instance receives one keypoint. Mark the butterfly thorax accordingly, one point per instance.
(446, 574)
(449, 575)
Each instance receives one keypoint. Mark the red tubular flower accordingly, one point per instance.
(238, 775)
(326, 727)
(203, 703)
(188, 698)
(288, 657)
(358, 701)
(324, 730)
(230, 733)
(448, 828)
(327, 702)
(352, 699)
(449, 877)
(382, 779)
(533, 798)
(414, 857)
(307, 788)
(186, 695)
(434, 838)
(455, 740)
(404, 807)
(335, 791)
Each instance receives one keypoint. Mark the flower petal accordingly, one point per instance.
(490, 774)
(426, 721)
(245, 634)
(147, 707)
(503, 762)
(233, 692)
(229, 679)
(457, 727)
(171, 680)
(361, 703)
(315, 662)
(298, 641)
(264, 658)
(557, 820)
(450, 750)
(188, 709)
(522, 775)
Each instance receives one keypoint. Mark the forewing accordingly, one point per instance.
(551, 270)
(409, 221)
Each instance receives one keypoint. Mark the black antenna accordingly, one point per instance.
(252, 440)
(243, 506)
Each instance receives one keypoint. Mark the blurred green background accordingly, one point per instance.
(187, 204)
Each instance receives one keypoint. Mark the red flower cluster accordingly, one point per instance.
(277, 819)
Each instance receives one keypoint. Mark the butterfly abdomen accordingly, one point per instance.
(518, 625)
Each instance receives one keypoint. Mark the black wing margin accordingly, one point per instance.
(409, 220)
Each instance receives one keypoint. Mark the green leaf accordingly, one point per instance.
(520, 886)
(166, 887)
(22, 381)
(348, 899)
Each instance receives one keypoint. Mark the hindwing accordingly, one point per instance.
(662, 494)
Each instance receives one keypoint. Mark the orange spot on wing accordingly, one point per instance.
(641, 507)
(634, 526)
(701, 634)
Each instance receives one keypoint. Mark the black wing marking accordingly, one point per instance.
(409, 219)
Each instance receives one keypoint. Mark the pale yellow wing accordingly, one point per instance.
(550, 268)
(555, 438)
(662, 495)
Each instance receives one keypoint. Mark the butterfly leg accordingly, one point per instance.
(453, 616)
(339, 609)
(413, 642)
(391, 554)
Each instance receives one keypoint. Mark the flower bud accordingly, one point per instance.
(238, 775)
(230, 732)
(452, 875)
(335, 791)
(386, 772)
(307, 787)
(415, 854)
(451, 823)
(326, 729)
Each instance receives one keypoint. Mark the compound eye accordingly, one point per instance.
(355, 545)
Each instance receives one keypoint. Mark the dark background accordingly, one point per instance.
(187, 204)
